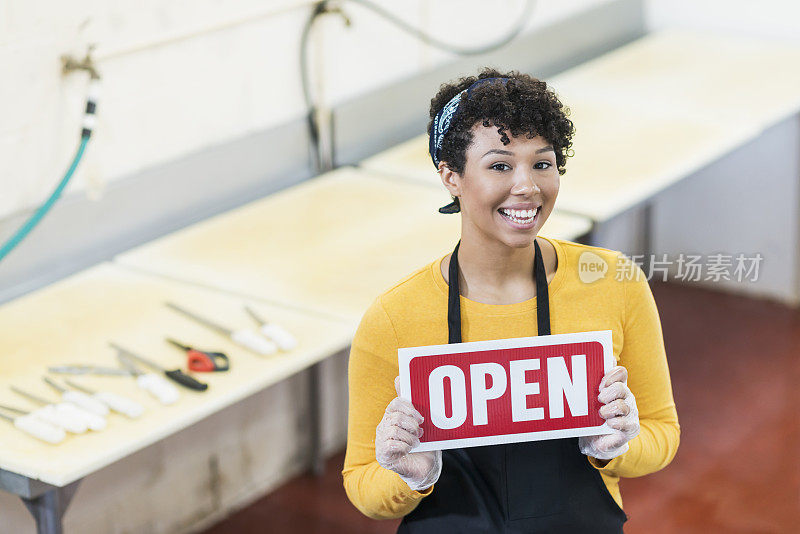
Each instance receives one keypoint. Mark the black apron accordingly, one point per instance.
(533, 487)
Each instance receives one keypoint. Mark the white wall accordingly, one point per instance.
(182, 75)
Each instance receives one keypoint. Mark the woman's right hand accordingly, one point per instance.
(395, 435)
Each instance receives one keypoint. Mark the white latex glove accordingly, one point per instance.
(620, 412)
(395, 435)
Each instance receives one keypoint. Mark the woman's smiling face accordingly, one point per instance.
(506, 192)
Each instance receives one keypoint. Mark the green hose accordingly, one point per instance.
(25, 229)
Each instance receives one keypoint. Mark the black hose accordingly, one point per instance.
(323, 7)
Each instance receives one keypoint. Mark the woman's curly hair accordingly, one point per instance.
(522, 106)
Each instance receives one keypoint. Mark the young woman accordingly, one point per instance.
(500, 143)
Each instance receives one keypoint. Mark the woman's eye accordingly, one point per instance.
(500, 166)
(546, 164)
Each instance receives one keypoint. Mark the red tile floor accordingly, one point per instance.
(735, 367)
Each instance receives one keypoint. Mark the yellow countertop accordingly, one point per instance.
(330, 244)
(71, 322)
(649, 114)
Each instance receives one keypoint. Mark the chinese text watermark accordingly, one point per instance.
(680, 267)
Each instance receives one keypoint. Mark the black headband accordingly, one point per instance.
(441, 124)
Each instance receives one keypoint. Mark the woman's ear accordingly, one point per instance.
(450, 179)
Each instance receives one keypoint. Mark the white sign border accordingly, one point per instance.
(406, 354)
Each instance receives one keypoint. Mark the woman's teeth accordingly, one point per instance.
(520, 216)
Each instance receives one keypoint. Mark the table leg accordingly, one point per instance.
(589, 238)
(47, 503)
(647, 237)
(316, 457)
(49, 507)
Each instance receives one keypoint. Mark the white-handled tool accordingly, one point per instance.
(35, 427)
(67, 412)
(118, 403)
(64, 414)
(79, 398)
(155, 385)
(245, 338)
(275, 332)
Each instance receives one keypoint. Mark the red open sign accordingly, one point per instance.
(507, 390)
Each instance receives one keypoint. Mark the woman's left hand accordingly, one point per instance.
(620, 412)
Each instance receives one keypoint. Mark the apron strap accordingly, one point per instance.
(454, 301)
(542, 297)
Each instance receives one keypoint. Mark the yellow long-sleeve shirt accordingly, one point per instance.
(414, 313)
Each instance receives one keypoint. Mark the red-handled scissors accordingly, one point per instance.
(202, 361)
